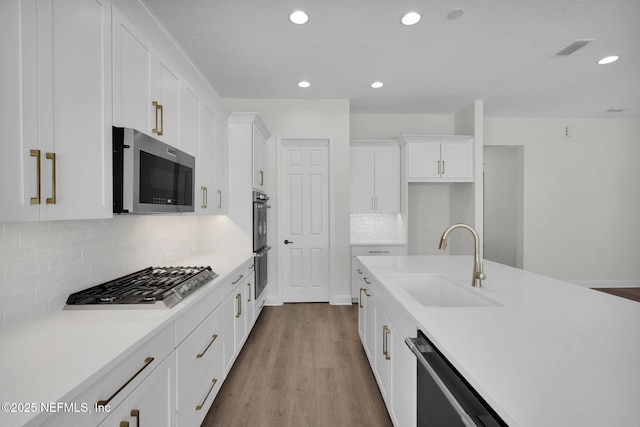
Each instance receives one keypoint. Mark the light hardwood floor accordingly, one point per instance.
(302, 365)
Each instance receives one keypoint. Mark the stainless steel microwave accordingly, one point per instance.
(150, 176)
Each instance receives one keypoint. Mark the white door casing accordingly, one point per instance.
(304, 219)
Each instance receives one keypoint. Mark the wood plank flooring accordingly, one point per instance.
(302, 365)
(628, 293)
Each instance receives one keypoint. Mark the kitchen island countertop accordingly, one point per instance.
(550, 353)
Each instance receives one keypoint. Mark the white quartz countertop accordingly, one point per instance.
(551, 354)
(52, 358)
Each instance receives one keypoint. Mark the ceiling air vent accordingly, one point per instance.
(578, 44)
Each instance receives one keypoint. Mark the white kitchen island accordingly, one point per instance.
(542, 352)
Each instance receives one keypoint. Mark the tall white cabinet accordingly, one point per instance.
(57, 162)
(247, 136)
(375, 177)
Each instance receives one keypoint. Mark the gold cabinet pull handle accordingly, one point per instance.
(261, 178)
(52, 200)
(249, 285)
(124, 423)
(239, 299)
(219, 198)
(361, 289)
(136, 413)
(443, 167)
(213, 384)
(204, 197)
(385, 342)
(366, 281)
(238, 279)
(158, 129)
(105, 402)
(213, 338)
(36, 154)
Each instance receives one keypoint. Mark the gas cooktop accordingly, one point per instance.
(168, 285)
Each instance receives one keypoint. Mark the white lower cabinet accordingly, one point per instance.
(126, 386)
(235, 325)
(200, 370)
(151, 403)
(382, 354)
(383, 328)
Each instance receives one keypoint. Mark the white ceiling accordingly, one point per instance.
(499, 51)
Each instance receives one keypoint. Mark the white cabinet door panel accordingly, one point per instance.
(132, 76)
(387, 178)
(362, 189)
(457, 160)
(423, 160)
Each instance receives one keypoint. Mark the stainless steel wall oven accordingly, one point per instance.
(260, 247)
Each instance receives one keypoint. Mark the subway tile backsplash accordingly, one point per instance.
(41, 263)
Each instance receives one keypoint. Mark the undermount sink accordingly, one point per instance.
(435, 290)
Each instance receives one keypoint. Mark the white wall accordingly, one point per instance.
(581, 195)
(308, 118)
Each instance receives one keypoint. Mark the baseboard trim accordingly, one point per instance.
(341, 300)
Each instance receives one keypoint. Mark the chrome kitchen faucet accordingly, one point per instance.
(478, 274)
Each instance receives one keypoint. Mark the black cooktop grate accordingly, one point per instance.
(142, 287)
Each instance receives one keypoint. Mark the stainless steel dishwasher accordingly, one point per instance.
(444, 397)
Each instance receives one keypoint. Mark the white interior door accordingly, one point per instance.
(303, 220)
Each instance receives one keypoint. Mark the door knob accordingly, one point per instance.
(286, 242)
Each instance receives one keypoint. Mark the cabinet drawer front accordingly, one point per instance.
(196, 314)
(198, 352)
(201, 394)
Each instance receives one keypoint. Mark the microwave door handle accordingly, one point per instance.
(466, 419)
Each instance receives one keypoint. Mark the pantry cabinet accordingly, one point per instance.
(374, 177)
(443, 158)
(146, 87)
(58, 163)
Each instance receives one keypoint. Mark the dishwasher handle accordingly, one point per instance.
(417, 347)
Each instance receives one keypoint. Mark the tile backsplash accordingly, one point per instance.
(41, 263)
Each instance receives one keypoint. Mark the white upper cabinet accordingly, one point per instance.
(259, 159)
(132, 76)
(61, 166)
(205, 173)
(221, 171)
(375, 177)
(444, 158)
(248, 135)
(146, 88)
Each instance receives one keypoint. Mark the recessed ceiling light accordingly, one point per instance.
(608, 60)
(411, 18)
(377, 85)
(304, 84)
(299, 17)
